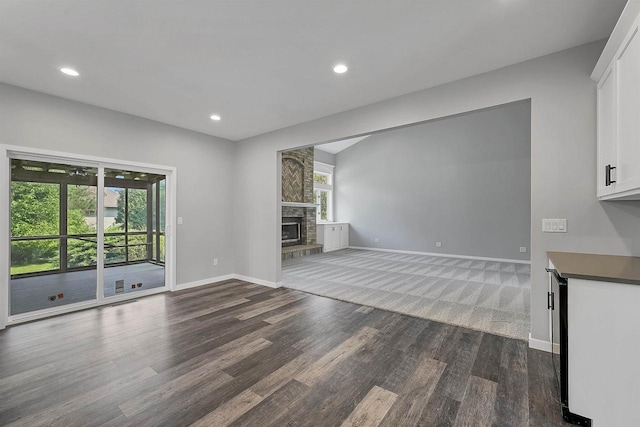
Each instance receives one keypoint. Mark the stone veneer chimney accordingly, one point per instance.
(297, 186)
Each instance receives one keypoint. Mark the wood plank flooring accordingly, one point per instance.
(240, 354)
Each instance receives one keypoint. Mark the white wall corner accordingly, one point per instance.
(257, 281)
(217, 279)
(543, 345)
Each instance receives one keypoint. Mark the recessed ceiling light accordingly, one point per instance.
(340, 69)
(69, 72)
(215, 117)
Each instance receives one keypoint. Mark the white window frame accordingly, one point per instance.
(327, 170)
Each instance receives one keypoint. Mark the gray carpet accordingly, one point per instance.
(488, 296)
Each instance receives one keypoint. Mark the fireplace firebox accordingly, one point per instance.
(291, 231)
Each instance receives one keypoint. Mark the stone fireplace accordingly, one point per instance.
(298, 211)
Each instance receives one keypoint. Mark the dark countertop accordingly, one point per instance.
(606, 268)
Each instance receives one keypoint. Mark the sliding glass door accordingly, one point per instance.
(53, 235)
(83, 233)
(132, 232)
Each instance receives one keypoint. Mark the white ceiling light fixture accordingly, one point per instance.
(215, 117)
(340, 69)
(69, 71)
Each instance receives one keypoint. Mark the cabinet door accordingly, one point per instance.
(628, 82)
(331, 238)
(607, 130)
(320, 234)
(344, 236)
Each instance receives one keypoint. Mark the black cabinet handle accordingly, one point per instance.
(607, 176)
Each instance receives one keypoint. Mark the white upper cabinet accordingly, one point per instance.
(628, 66)
(618, 76)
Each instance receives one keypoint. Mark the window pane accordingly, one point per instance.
(34, 256)
(323, 206)
(163, 194)
(35, 209)
(137, 248)
(81, 209)
(154, 214)
(137, 220)
(320, 178)
(81, 219)
(82, 252)
(114, 250)
(114, 209)
(162, 248)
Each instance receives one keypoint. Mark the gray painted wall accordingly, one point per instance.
(463, 181)
(563, 163)
(324, 157)
(204, 165)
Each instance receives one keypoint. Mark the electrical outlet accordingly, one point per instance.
(438, 244)
(215, 261)
(523, 249)
(376, 240)
(180, 220)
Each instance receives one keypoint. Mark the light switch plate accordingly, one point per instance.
(554, 225)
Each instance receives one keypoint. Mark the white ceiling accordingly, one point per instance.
(263, 65)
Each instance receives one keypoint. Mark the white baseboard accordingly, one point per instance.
(543, 345)
(203, 282)
(211, 280)
(516, 261)
(257, 281)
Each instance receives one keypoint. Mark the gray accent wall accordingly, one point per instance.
(204, 165)
(463, 181)
(563, 163)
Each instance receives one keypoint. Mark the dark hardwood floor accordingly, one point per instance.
(236, 353)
